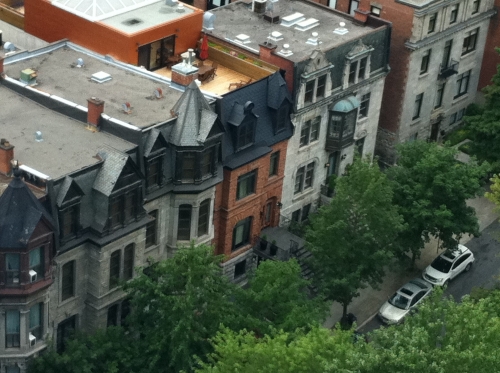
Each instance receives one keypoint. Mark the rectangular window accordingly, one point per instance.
(12, 329)
(129, 206)
(375, 11)
(69, 221)
(470, 42)
(454, 13)
(281, 119)
(310, 131)
(304, 133)
(268, 213)
(462, 84)
(308, 181)
(475, 6)
(241, 233)
(362, 68)
(128, 262)
(68, 280)
(184, 223)
(439, 96)
(460, 114)
(413, 137)
(315, 129)
(151, 229)
(305, 212)
(296, 216)
(188, 166)
(418, 106)
(240, 268)
(246, 184)
(353, 6)
(299, 180)
(114, 269)
(453, 118)
(432, 23)
(112, 316)
(446, 53)
(424, 65)
(352, 72)
(274, 163)
(12, 269)
(115, 212)
(308, 97)
(203, 217)
(154, 172)
(12, 369)
(37, 262)
(320, 88)
(36, 327)
(65, 330)
(246, 133)
(364, 105)
(207, 161)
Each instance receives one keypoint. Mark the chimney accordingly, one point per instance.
(95, 109)
(184, 73)
(6, 156)
(1, 65)
(265, 50)
(361, 16)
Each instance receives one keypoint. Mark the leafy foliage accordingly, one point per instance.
(431, 189)
(494, 195)
(276, 299)
(484, 125)
(351, 240)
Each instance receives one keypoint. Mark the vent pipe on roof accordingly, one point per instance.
(38, 136)
(208, 21)
(341, 30)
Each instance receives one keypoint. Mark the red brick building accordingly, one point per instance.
(491, 57)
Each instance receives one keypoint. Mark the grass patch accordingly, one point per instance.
(457, 136)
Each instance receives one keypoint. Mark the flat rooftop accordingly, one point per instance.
(57, 75)
(304, 18)
(67, 145)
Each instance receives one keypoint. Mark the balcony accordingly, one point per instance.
(448, 70)
(334, 144)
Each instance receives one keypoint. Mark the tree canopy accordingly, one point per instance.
(431, 189)
(351, 239)
(443, 337)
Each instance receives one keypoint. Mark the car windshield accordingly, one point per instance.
(441, 264)
(399, 301)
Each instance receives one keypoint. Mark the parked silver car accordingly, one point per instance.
(404, 300)
(448, 265)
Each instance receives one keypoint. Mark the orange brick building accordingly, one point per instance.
(145, 34)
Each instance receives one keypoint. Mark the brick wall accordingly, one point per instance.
(491, 58)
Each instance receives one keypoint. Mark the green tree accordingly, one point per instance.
(484, 125)
(107, 351)
(351, 239)
(277, 298)
(177, 307)
(494, 195)
(431, 189)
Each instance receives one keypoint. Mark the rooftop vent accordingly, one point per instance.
(38, 136)
(180, 8)
(28, 76)
(9, 47)
(259, 6)
(127, 108)
(79, 62)
(208, 21)
(341, 30)
(242, 39)
(158, 93)
(101, 77)
(285, 51)
(169, 6)
(272, 13)
(314, 39)
(307, 24)
(275, 36)
(132, 22)
(292, 19)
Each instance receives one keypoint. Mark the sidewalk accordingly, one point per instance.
(366, 306)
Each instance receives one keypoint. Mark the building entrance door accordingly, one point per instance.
(435, 131)
(155, 55)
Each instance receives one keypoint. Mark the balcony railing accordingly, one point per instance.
(270, 250)
(445, 71)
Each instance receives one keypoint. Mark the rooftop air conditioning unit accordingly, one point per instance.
(33, 275)
(32, 340)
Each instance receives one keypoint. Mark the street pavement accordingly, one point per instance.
(367, 304)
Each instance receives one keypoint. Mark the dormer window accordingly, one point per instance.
(154, 171)
(123, 209)
(246, 133)
(196, 166)
(244, 123)
(315, 89)
(357, 67)
(69, 221)
(154, 158)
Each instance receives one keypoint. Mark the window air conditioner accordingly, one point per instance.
(32, 340)
(33, 275)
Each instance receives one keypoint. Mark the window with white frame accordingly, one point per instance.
(470, 40)
(315, 89)
(364, 105)
(358, 70)
(439, 95)
(309, 131)
(36, 320)
(304, 178)
(424, 64)
(357, 67)
(241, 233)
(417, 106)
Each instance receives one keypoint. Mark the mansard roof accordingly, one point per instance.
(20, 213)
(195, 118)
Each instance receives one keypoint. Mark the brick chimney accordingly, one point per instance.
(95, 109)
(361, 16)
(1, 65)
(184, 73)
(6, 155)
(265, 50)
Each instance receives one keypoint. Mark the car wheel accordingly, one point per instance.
(446, 283)
(467, 267)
